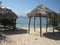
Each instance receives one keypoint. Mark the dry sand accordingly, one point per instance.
(33, 38)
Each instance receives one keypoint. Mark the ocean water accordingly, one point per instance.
(23, 21)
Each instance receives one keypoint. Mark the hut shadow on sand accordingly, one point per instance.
(5, 33)
(50, 35)
(14, 32)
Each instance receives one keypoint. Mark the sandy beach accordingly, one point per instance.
(21, 37)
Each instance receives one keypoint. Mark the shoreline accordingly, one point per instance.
(37, 30)
(33, 28)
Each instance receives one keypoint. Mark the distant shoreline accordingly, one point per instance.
(33, 28)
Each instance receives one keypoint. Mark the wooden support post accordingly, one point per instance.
(34, 23)
(40, 26)
(29, 26)
(53, 30)
(54, 24)
(5, 27)
(46, 24)
(14, 27)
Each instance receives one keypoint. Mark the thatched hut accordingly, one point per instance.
(41, 11)
(7, 17)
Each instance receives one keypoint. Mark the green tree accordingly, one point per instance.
(58, 18)
(55, 22)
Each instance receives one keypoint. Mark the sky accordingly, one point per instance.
(22, 7)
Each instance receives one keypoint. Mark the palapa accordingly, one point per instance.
(41, 11)
(7, 17)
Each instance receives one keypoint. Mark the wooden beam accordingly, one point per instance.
(29, 26)
(40, 26)
(34, 23)
(46, 24)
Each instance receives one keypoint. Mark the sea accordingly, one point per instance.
(23, 21)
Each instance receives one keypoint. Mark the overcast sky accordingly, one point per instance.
(22, 7)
